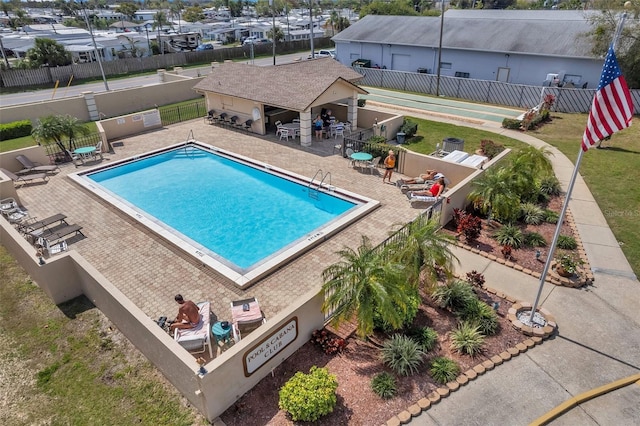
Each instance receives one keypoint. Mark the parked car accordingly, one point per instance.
(324, 54)
(205, 46)
(254, 40)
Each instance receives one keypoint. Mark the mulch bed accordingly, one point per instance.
(358, 364)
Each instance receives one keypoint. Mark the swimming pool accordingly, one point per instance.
(241, 217)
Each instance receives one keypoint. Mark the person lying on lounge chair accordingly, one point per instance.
(188, 314)
(428, 175)
(430, 194)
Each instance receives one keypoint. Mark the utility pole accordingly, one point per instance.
(313, 54)
(95, 46)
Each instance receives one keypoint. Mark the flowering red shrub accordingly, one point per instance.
(330, 345)
(467, 224)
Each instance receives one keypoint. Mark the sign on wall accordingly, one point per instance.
(270, 346)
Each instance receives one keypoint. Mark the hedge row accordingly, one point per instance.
(14, 130)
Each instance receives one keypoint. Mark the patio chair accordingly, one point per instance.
(34, 167)
(246, 316)
(12, 211)
(338, 131)
(348, 152)
(98, 151)
(22, 179)
(197, 339)
(284, 133)
(247, 125)
(373, 164)
(52, 249)
(210, 117)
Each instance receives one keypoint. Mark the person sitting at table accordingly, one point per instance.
(428, 175)
(188, 314)
(317, 125)
(431, 194)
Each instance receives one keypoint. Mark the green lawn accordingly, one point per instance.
(65, 365)
(610, 174)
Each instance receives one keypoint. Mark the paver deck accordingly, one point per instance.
(150, 271)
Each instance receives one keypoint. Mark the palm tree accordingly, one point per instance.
(527, 167)
(56, 128)
(160, 20)
(494, 193)
(422, 249)
(361, 284)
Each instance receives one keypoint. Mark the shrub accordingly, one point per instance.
(409, 128)
(509, 235)
(467, 339)
(470, 226)
(566, 242)
(531, 214)
(533, 239)
(377, 139)
(307, 397)
(550, 185)
(384, 385)
(481, 315)
(402, 354)
(550, 216)
(490, 148)
(475, 278)
(330, 344)
(426, 337)
(444, 370)
(506, 251)
(15, 129)
(511, 123)
(454, 295)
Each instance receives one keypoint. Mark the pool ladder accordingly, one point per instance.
(314, 191)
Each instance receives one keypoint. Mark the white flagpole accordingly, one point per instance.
(572, 182)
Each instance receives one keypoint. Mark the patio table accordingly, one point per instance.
(360, 158)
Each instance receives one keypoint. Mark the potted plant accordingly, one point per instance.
(567, 266)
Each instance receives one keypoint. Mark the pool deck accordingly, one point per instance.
(150, 271)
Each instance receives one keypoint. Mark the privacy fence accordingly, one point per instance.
(485, 91)
(44, 76)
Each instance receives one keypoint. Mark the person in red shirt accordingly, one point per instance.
(431, 194)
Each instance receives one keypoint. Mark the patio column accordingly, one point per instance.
(305, 128)
(352, 111)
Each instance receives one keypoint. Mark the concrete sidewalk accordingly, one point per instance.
(598, 338)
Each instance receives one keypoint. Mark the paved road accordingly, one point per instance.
(121, 83)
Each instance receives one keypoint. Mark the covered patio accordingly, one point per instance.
(296, 90)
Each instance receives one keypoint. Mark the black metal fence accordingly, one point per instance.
(57, 151)
(180, 113)
(493, 92)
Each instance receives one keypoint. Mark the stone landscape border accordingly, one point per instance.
(536, 337)
(584, 277)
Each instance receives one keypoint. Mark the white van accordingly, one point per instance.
(324, 54)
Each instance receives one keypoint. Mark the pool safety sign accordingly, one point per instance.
(270, 346)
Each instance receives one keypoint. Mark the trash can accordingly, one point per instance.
(452, 144)
(400, 137)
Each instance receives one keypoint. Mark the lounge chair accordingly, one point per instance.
(52, 249)
(196, 339)
(34, 228)
(34, 167)
(8, 205)
(57, 233)
(246, 317)
(22, 179)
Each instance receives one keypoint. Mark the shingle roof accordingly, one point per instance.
(293, 86)
(554, 33)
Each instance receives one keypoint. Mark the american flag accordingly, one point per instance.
(612, 108)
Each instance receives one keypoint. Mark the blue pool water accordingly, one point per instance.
(241, 214)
